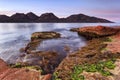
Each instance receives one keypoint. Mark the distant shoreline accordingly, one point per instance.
(57, 22)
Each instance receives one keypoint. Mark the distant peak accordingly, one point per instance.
(48, 17)
(4, 15)
(48, 14)
(30, 13)
(79, 14)
(32, 16)
(19, 14)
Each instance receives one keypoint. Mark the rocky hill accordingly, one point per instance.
(50, 17)
(19, 17)
(84, 18)
(32, 16)
(4, 18)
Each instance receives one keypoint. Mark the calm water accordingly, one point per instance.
(14, 36)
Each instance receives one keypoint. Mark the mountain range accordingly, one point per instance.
(50, 17)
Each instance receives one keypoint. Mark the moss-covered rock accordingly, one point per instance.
(90, 54)
(18, 72)
(38, 37)
(47, 60)
(44, 35)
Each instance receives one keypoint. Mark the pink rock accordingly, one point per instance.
(47, 77)
(7, 73)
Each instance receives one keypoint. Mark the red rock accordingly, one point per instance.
(96, 31)
(3, 66)
(114, 45)
(47, 77)
(7, 73)
(99, 27)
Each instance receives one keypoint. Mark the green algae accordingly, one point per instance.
(98, 67)
(30, 67)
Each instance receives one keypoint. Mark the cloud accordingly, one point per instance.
(9, 13)
(111, 14)
(107, 11)
(104, 1)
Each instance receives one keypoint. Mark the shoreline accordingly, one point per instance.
(93, 52)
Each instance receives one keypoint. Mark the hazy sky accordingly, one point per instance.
(109, 9)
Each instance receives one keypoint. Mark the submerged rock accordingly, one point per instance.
(38, 37)
(31, 46)
(44, 35)
(48, 60)
(74, 29)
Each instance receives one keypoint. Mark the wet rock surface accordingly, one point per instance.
(47, 60)
(31, 46)
(38, 37)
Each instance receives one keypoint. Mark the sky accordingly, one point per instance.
(108, 9)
